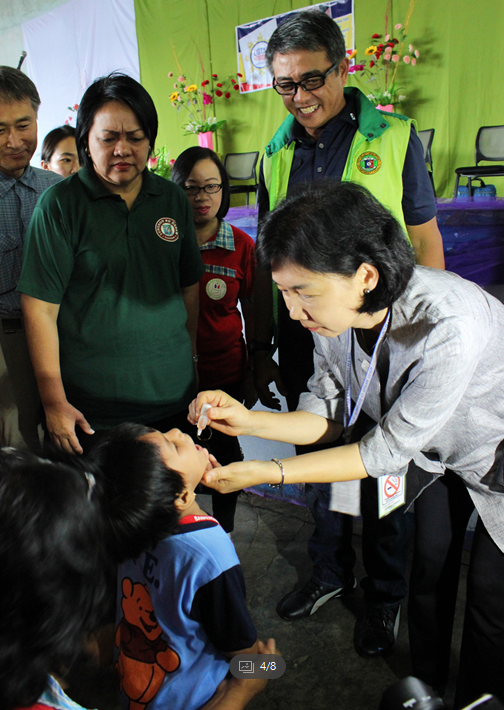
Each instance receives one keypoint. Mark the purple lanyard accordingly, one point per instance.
(349, 417)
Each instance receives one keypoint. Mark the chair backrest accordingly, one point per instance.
(427, 137)
(241, 166)
(489, 143)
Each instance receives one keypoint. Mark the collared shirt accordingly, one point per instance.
(326, 157)
(17, 201)
(229, 260)
(54, 698)
(438, 397)
(125, 352)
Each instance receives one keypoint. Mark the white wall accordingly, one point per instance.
(12, 14)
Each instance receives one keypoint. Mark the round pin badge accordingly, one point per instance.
(369, 163)
(166, 228)
(216, 289)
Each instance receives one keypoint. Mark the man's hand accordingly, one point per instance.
(266, 371)
(248, 394)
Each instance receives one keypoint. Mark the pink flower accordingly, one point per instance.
(398, 26)
(359, 67)
(207, 99)
(175, 86)
(417, 53)
(410, 48)
(170, 74)
(395, 57)
(387, 37)
(351, 70)
(413, 62)
(182, 79)
(153, 162)
(172, 161)
(407, 59)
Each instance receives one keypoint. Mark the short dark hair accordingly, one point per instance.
(114, 87)
(332, 227)
(136, 491)
(16, 86)
(53, 588)
(53, 138)
(311, 30)
(186, 162)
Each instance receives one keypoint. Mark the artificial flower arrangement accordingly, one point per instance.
(160, 163)
(198, 100)
(376, 75)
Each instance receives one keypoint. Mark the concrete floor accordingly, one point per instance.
(323, 670)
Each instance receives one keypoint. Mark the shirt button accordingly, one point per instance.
(320, 145)
(319, 170)
(370, 135)
(383, 125)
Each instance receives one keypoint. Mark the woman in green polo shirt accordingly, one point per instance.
(110, 279)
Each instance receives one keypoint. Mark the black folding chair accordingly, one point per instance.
(489, 146)
(242, 166)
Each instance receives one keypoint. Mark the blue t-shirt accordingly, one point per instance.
(179, 608)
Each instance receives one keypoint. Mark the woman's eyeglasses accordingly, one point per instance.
(193, 190)
(289, 88)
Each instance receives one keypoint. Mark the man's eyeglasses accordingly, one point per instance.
(193, 190)
(289, 88)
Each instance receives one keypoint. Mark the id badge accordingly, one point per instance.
(391, 494)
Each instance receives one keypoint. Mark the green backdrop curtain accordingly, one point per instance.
(455, 87)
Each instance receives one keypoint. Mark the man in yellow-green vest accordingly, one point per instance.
(336, 132)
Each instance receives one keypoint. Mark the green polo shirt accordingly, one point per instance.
(125, 352)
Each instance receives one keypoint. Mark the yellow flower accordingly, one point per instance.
(174, 96)
(371, 50)
(193, 87)
(353, 54)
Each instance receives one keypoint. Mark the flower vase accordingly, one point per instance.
(205, 140)
(389, 108)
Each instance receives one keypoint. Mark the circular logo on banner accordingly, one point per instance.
(369, 163)
(166, 228)
(258, 55)
(216, 289)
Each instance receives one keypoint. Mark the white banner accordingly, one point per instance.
(252, 41)
(71, 46)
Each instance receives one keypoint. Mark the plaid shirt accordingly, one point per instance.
(17, 202)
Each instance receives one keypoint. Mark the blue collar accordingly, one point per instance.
(223, 239)
(54, 697)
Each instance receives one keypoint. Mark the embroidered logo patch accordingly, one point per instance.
(166, 228)
(216, 289)
(369, 163)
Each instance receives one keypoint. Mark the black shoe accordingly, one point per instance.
(377, 631)
(303, 602)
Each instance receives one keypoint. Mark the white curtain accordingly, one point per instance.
(71, 46)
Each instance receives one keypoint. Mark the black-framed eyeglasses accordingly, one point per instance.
(289, 88)
(194, 190)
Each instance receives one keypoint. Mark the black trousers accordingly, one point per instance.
(441, 516)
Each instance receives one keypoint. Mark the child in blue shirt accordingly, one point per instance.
(181, 611)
